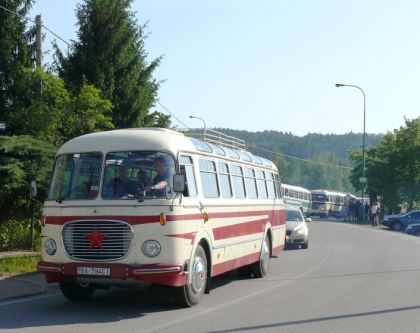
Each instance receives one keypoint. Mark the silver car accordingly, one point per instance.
(296, 228)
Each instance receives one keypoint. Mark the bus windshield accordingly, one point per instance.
(135, 174)
(75, 176)
(319, 198)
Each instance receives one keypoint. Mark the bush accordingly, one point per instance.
(15, 235)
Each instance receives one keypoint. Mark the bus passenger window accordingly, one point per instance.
(187, 169)
(251, 186)
(238, 182)
(279, 193)
(224, 180)
(270, 186)
(262, 186)
(208, 179)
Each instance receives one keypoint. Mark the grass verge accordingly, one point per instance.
(18, 265)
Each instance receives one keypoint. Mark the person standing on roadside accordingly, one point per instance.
(374, 211)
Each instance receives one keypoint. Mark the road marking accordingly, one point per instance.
(28, 299)
(193, 315)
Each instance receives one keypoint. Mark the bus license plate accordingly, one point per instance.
(101, 271)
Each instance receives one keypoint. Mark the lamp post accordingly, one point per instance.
(363, 179)
(204, 122)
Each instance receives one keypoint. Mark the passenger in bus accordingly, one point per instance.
(143, 180)
(162, 179)
(121, 185)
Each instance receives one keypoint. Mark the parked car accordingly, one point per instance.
(400, 222)
(413, 229)
(296, 228)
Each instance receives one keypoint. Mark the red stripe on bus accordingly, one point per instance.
(240, 229)
(277, 217)
(188, 235)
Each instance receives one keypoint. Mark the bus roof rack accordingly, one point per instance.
(215, 137)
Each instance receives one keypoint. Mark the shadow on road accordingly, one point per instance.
(320, 319)
(103, 307)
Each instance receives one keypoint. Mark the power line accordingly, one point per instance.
(302, 159)
(175, 117)
(33, 21)
(52, 32)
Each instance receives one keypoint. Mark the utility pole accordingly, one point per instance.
(38, 41)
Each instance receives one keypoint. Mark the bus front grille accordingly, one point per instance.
(97, 240)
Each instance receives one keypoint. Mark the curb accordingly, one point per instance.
(10, 254)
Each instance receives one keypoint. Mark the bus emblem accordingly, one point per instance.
(96, 239)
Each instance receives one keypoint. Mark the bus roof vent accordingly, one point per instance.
(215, 137)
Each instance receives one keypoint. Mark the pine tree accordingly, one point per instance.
(110, 55)
(16, 56)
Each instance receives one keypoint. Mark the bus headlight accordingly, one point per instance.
(50, 247)
(150, 248)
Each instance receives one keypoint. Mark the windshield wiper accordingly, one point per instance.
(65, 196)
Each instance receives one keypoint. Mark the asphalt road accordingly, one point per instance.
(351, 279)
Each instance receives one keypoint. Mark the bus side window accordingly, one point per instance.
(279, 193)
(251, 185)
(270, 185)
(261, 185)
(187, 169)
(238, 181)
(226, 187)
(209, 185)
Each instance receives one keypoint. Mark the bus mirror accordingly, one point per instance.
(34, 189)
(308, 219)
(179, 183)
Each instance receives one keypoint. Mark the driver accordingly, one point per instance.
(161, 180)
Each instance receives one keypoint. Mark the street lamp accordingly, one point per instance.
(363, 179)
(204, 122)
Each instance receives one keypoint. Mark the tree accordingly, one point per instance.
(16, 55)
(110, 55)
(35, 113)
(407, 160)
(393, 167)
(22, 159)
(85, 113)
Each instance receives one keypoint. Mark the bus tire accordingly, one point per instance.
(260, 268)
(75, 292)
(192, 293)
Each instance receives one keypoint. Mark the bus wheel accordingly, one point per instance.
(191, 294)
(260, 268)
(74, 292)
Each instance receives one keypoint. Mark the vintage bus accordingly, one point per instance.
(327, 203)
(142, 206)
(298, 197)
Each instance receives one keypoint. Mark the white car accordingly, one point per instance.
(296, 228)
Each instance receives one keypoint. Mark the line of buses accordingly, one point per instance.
(155, 206)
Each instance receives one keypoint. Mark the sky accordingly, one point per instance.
(272, 64)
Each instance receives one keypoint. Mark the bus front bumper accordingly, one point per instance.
(168, 274)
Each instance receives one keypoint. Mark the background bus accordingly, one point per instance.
(327, 203)
(296, 196)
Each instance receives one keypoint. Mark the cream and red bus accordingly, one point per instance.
(327, 203)
(143, 206)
